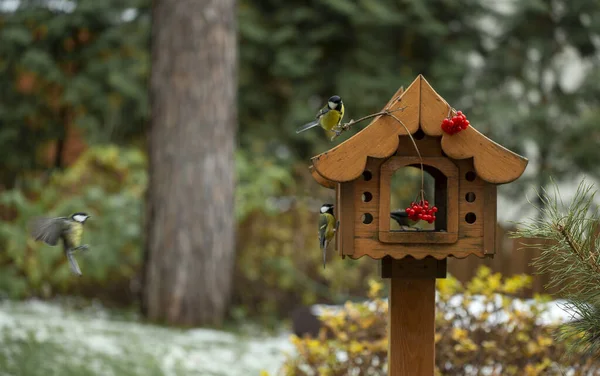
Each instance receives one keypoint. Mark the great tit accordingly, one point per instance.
(327, 228)
(401, 217)
(329, 117)
(69, 229)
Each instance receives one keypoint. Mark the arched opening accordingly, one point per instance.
(441, 190)
(405, 186)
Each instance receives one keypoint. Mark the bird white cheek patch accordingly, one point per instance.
(79, 218)
(332, 105)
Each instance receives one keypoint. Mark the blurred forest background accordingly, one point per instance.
(75, 115)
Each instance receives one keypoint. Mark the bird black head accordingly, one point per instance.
(327, 208)
(334, 102)
(80, 217)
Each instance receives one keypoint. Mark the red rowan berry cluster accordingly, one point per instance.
(421, 210)
(456, 124)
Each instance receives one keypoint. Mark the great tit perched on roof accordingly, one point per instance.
(329, 117)
(327, 228)
(401, 217)
(69, 229)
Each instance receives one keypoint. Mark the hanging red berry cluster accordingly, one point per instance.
(421, 210)
(456, 124)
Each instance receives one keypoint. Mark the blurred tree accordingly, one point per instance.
(534, 86)
(295, 54)
(65, 64)
(190, 216)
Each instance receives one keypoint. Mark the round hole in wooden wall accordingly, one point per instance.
(419, 135)
(470, 176)
(367, 175)
(367, 218)
(367, 196)
(470, 196)
(470, 218)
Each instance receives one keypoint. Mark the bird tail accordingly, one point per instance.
(324, 248)
(312, 124)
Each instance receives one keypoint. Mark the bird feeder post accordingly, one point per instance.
(411, 338)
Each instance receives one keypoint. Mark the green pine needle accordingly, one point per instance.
(570, 255)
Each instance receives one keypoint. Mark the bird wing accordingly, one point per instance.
(323, 222)
(73, 263)
(47, 230)
(322, 112)
(322, 231)
(316, 122)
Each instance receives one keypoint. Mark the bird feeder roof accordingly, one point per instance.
(424, 109)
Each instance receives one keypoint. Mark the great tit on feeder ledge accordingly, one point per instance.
(329, 117)
(69, 229)
(327, 228)
(405, 223)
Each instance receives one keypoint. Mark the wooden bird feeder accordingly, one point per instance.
(466, 168)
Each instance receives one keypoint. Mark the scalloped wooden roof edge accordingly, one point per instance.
(425, 109)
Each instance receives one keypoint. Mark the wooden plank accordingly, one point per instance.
(493, 162)
(411, 268)
(375, 249)
(476, 187)
(321, 180)
(371, 204)
(433, 110)
(428, 147)
(489, 220)
(346, 161)
(346, 218)
(411, 349)
(336, 211)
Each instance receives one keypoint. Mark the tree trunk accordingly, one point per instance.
(190, 225)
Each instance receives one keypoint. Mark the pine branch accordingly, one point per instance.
(569, 255)
(577, 249)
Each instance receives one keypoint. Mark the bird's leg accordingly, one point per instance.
(338, 129)
(83, 247)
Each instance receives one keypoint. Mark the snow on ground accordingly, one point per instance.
(40, 338)
(553, 313)
(47, 339)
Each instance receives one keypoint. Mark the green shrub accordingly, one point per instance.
(279, 266)
(279, 263)
(107, 182)
(277, 249)
(466, 344)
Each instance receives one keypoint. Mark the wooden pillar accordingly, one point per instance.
(411, 349)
